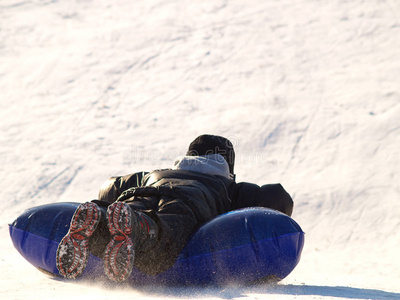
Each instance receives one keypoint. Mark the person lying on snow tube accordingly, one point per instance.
(145, 219)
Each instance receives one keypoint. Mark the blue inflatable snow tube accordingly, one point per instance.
(239, 247)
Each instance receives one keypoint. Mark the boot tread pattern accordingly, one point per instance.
(119, 253)
(73, 251)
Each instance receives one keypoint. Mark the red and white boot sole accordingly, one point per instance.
(119, 254)
(73, 250)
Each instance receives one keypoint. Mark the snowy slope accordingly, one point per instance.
(308, 91)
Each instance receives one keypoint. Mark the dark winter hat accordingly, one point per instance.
(212, 144)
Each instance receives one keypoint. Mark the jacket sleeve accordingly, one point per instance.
(270, 196)
(114, 186)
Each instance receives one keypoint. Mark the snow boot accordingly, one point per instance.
(130, 231)
(73, 251)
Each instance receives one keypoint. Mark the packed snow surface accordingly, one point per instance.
(308, 91)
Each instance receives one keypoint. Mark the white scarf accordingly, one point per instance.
(213, 164)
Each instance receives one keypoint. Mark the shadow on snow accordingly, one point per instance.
(296, 290)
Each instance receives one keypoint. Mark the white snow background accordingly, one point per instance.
(307, 90)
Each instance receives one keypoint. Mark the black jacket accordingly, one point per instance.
(239, 195)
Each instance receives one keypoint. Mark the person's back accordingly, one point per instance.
(151, 215)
